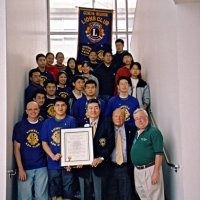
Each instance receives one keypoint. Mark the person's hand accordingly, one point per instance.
(79, 166)
(68, 168)
(155, 177)
(56, 157)
(22, 175)
(96, 162)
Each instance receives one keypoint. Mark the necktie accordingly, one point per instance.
(119, 153)
(94, 128)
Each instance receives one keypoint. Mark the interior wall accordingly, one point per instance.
(3, 99)
(166, 42)
(26, 34)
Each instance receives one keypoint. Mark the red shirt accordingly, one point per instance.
(53, 70)
(124, 71)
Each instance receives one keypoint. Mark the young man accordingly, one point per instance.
(30, 157)
(124, 71)
(124, 101)
(34, 78)
(118, 57)
(103, 143)
(41, 62)
(77, 92)
(79, 107)
(105, 73)
(93, 60)
(50, 88)
(39, 98)
(60, 180)
(146, 156)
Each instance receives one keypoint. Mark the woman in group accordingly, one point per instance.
(139, 88)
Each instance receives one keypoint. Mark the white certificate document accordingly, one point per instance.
(76, 146)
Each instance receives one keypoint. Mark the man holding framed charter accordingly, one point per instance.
(60, 180)
(103, 144)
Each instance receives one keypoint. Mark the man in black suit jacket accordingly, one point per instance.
(121, 178)
(103, 144)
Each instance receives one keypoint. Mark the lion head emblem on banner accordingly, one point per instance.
(95, 32)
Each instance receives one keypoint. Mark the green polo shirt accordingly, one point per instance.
(146, 146)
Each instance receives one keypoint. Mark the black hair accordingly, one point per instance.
(60, 99)
(92, 51)
(59, 74)
(49, 53)
(39, 56)
(107, 51)
(49, 81)
(127, 54)
(86, 62)
(77, 77)
(59, 53)
(39, 91)
(30, 74)
(90, 82)
(93, 101)
(123, 78)
(119, 40)
(138, 65)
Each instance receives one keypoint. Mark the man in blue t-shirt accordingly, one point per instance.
(30, 157)
(60, 180)
(124, 101)
(79, 110)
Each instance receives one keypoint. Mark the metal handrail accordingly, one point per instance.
(173, 166)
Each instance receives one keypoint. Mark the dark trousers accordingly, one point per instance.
(120, 186)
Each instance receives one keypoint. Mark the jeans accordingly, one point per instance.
(38, 178)
(60, 183)
(86, 187)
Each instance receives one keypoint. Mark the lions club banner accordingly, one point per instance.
(95, 32)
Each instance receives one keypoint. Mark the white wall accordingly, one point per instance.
(26, 35)
(164, 37)
(3, 99)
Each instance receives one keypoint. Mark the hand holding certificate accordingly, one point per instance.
(76, 147)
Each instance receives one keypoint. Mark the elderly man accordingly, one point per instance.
(146, 156)
(121, 176)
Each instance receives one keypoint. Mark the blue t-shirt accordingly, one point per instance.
(63, 92)
(79, 110)
(46, 75)
(50, 133)
(32, 153)
(129, 104)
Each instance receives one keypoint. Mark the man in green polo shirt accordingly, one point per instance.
(146, 156)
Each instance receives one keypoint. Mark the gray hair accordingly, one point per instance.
(141, 110)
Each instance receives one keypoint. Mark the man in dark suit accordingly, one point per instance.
(103, 144)
(121, 177)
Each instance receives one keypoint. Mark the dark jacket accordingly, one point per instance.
(103, 145)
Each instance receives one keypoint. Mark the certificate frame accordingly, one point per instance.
(76, 146)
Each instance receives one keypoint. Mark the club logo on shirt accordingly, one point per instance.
(127, 113)
(50, 110)
(102, 142)
(56, 137)
(32, 138)
(95, 32)
(42, 80)
(63, 95)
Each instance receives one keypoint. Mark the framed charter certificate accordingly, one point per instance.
(76, 146)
